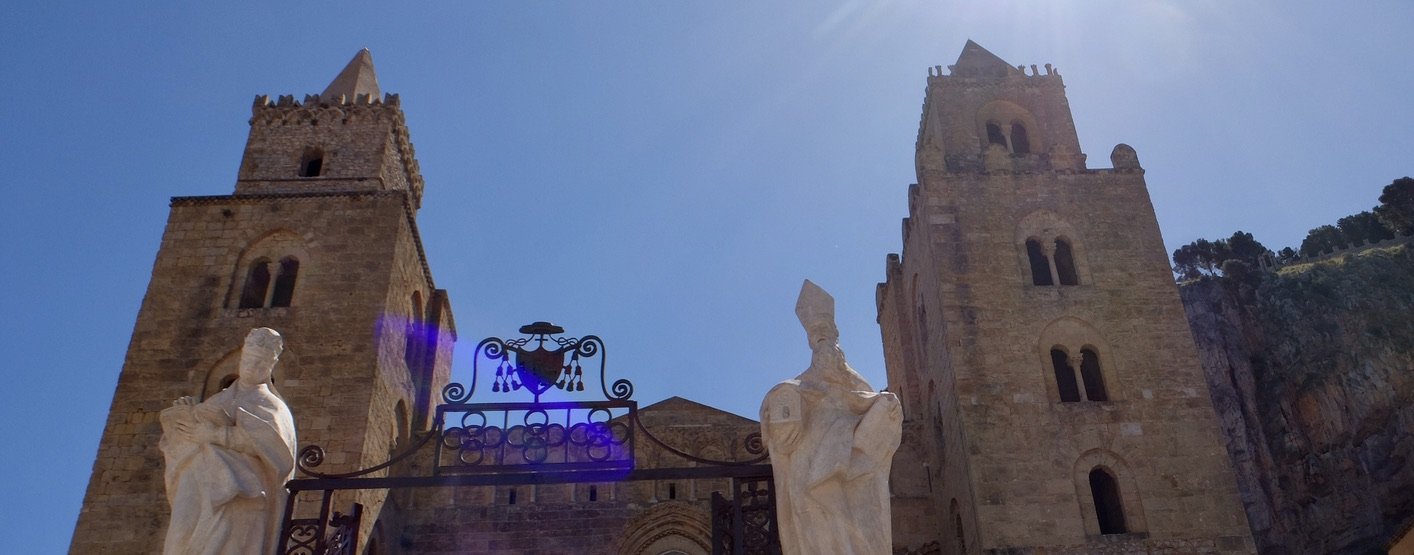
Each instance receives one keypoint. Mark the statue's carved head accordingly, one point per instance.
(816, 310)
(259, 354)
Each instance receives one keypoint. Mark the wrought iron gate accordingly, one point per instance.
(536, 442)
(746, 523)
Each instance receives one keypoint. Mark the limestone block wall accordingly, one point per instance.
(617, 518)
(361, 146)
(1027, 452)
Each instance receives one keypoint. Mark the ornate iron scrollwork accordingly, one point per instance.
(536, 435)
(543, 360)
(492, 443)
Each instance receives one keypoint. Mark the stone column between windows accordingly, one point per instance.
(1049, 249)
(1074, 367)
(270, 269)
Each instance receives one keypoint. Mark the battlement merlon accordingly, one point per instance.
(323, 101)
(1052, 74)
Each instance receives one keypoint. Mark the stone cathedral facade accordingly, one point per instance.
(1053, 399)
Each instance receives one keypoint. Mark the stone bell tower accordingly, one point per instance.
(318, 241)
(1052, 392)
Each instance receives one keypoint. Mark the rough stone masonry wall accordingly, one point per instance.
(993, 328)
(187, 326)
(624, 517)
(364, 147)
(1311, 370)
(924, 521)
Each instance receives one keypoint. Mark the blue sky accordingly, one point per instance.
(688, 163)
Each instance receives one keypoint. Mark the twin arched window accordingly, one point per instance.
(1064, 365)
(1016, 142)
(1052, 262)
(258, 292)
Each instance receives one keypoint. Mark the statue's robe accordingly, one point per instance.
(831, 444)
(228, 497)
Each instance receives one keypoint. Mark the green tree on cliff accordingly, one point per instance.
(1364, 226)
(1396, 207)
(1205, 258)
(1321, 239)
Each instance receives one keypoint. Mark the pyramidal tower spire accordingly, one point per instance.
(357, 78)
(978, 61)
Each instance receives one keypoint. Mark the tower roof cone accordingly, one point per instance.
(357, 78)
(976, 60)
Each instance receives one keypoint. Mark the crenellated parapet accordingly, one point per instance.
(344, 130)
(984, 115)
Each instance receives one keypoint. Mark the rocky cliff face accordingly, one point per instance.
(1312, 374)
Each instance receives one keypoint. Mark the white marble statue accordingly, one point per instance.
(228, 459)
(831, 440)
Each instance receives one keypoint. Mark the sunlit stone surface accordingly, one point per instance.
(831, 439)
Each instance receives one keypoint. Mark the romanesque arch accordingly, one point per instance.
(666, 527)
(1050, 251)
(1007, 124)
(1107, 465)
(1077, 362)
(270, 271)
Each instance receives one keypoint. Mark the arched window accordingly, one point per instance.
(1109, 507)
(994, 134)
(1065, 263)
(1051, 247)
(1090, 374)
(258, 293)
(285, 282)
(257, 282)
(1020, 144)
(1040, 266)
(1065, 376)
(312, 163)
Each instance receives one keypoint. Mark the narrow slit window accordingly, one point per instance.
(593, 493)
(1020, 143)
(1065, 377)
(1040, 266)
(959, 536)
(285, 282)
(257, 283)
(1109, 508)
(672, 491)
(511, 497)
(412, 350)
(1090, 374)
(1065, 263)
